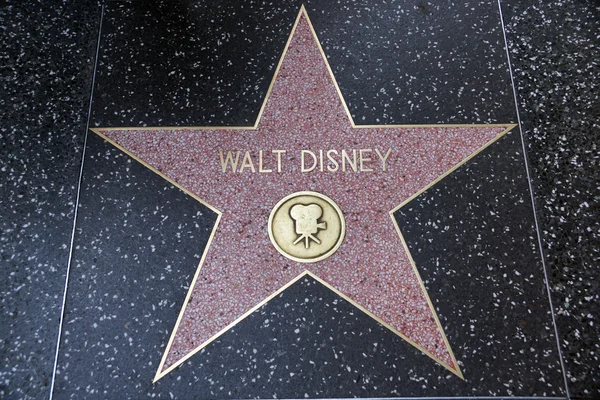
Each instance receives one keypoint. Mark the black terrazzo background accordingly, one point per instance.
(473, 239)
(555, 51)
(47, 51)
(45, 74)
(139, 241)
(149, 53)
(138, 245)
(166, 63)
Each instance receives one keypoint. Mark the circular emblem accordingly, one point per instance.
(306, 227)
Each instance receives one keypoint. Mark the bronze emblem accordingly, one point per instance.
(306, 227)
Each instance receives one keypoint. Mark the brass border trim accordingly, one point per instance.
(331, 203)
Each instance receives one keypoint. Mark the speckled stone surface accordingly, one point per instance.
(474, 238)
(293, 346)
(139, 239)
(304, 111)
(46, 59)
(555, 52)
(211, 64)
(308, 341)
(127, 284)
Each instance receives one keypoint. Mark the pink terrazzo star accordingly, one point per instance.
(241, 269)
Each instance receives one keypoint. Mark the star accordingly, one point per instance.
(240, 269)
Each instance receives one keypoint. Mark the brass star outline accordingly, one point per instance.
(302, 13)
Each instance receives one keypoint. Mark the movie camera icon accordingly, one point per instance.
(307, 222)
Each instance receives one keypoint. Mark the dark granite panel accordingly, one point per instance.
(139, 240)
(206, 63)
(47, 51)
(418, 62)
(139, 243)
(473, 239)
(555, 51)
(187, 63)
